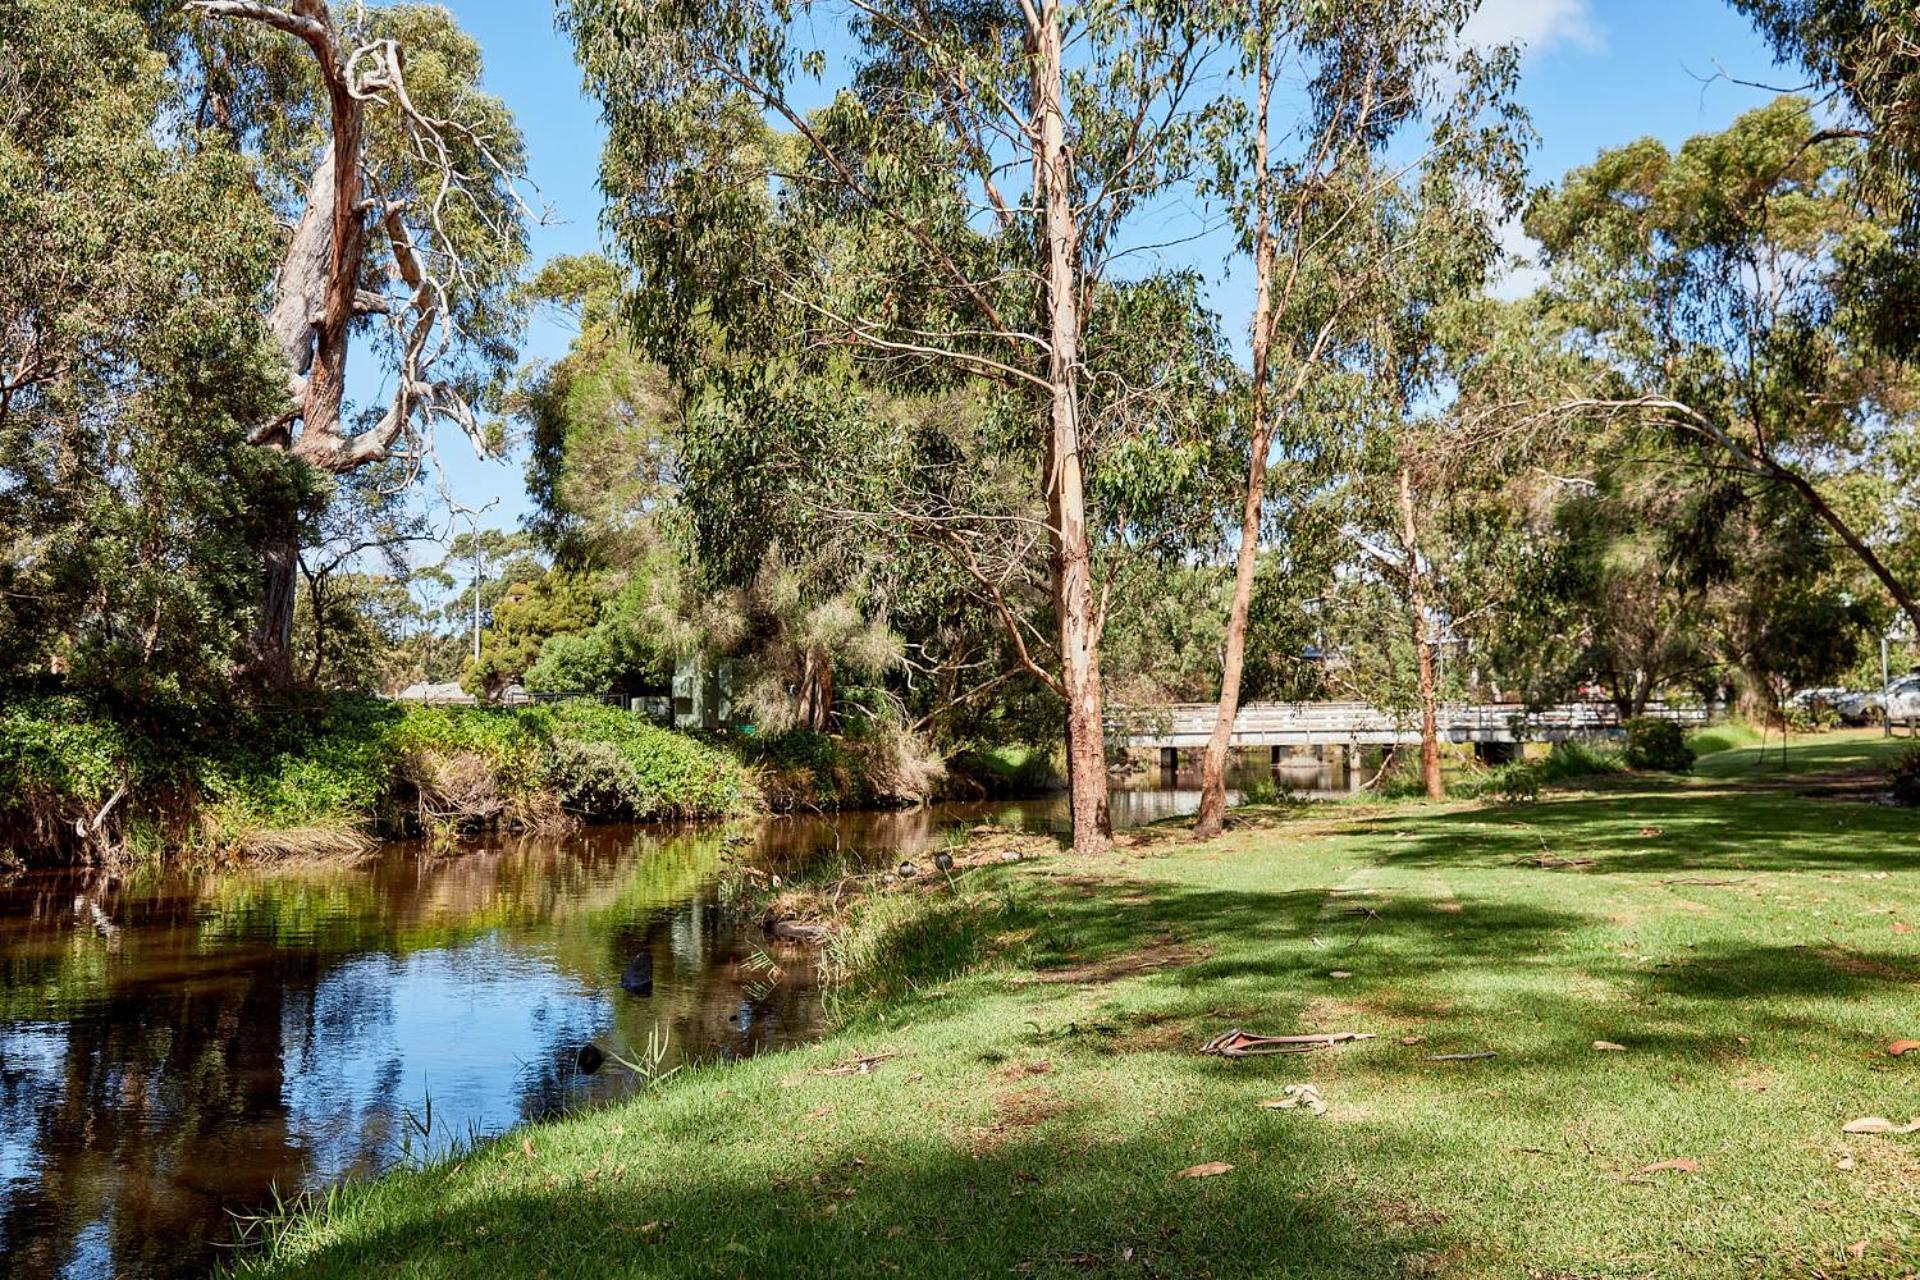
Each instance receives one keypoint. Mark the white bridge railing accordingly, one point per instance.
(1188, 726)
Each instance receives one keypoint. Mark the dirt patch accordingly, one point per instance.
(1154, 958)
(1022, 1070)
(1015, 1112)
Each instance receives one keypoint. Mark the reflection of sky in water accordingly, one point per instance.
(248, 1029)
(30, 1058)
(454, 1026)
(92, 1250)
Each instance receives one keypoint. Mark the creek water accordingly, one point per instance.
(178, 1048)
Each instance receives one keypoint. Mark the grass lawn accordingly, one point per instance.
(1753, 947)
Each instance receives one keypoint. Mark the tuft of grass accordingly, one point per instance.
(1727, 736)
(1034, 1085)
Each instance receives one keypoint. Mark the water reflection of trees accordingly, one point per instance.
(173, 1045)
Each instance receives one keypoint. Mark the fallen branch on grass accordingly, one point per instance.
(1243, 1044)
(857, 1066)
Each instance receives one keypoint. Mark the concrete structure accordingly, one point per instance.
(1188, 726)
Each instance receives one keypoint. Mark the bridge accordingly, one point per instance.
(1188, 726)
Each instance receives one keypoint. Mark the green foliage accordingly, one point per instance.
(607, 763)
(347, 766)
(1005, 772)
(132, 508)
(1660, 745)
(1904, 774)
(59, 748)
(805, 769)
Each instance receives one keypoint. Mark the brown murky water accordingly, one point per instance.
(179, 1047)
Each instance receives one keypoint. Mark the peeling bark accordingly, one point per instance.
(1072, 560)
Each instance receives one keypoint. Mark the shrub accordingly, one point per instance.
(1660, 745)
(1571, 759)
(1519, 783)
(606, 763)
(1905, 776)
(881, 764)
(61, 760)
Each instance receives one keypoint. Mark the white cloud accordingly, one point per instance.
(1537, 25)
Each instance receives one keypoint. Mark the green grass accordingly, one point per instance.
(1740, 938)
(1726, 736)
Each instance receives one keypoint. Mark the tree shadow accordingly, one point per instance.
(1660, 832)
(972, 1160)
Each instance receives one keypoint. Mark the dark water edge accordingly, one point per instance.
(180, 1046)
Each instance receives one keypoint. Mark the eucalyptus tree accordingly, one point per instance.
(132, 365)
(1303, 194)
(401, 180)
(949, 213)
(1701, 293)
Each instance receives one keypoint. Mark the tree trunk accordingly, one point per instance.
(1074, 596)
(272, 657)
(1213, 770)
(1854, 542)
(813, 701)
(1422, 644)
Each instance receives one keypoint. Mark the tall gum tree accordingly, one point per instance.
(950, 212)
(407, 229)
(1703, 293)
(1304, 194)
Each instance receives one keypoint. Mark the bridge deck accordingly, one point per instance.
(1188, 726)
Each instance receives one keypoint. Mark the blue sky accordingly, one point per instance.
(1598, 73)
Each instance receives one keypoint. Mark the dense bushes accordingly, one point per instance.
(1659, 745)
(606, 763)
(325, 778)
(1905, 776)
(880, 766)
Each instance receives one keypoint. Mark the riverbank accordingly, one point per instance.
(1016, 1086)
(330, 775)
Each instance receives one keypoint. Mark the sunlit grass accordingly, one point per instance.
(1752, 947)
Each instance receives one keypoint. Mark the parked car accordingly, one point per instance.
(1903, 698)
(1816, 699)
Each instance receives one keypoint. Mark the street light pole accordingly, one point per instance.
(1886, 683)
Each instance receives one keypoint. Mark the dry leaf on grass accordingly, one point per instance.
(1678, 1165)
(1608, 1046)
(1857, 1250)
(1900, 1048)
(526, 1148)
(1879, 1124)
(1902, 927)
(1212, 1169)
(1844, 1164)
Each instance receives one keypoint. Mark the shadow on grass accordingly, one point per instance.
(1665, 829)
(1053, 1201)
(972, 1161)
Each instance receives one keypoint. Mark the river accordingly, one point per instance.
(178, 1047)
